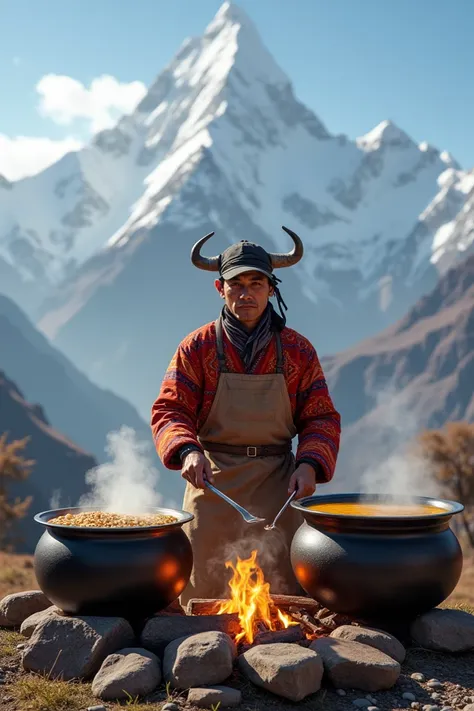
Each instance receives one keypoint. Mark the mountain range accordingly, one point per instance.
(417, 374)
(100, 259)
(97, 287)
(71, 405)
(55, 458)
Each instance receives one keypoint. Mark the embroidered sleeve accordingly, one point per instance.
(317, 420)
(175, 411)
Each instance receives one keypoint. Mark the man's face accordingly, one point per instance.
(246, 296)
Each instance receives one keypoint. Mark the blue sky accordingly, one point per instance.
(354, 62)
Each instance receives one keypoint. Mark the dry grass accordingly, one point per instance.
(8, 644)
(16, 574)
(36, 693)
(29, 692)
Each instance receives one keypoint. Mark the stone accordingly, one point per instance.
(373, 708)
(429, 707)
(284, 669)
(128, 672)
(75, 647)
(340, 692)
(221, 696)
(158, 632)
(362, 703)
(408, 696)
(434, 684)
(29, 625)
(201, 659)
(15, 608)
(96, 708)
(444, 630)
(170, 706)
(469, 707)
(352, 665)
(385, 642)
(417, 676)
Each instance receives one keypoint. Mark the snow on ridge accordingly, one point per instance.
(386, 133)
(222, 96)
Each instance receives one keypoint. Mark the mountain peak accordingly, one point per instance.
(229, 13)
(386, 133)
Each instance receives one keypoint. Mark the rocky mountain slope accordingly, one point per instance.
(59, 463)
(220, 142)
(418, 373)
(78, 408)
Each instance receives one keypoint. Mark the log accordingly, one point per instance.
(306, 622)
(294, 633)
(283, 602)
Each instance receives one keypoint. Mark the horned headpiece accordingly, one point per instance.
(246, 256)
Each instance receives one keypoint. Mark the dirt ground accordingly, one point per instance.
(26, 692)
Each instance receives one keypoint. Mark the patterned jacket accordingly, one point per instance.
(190, 384)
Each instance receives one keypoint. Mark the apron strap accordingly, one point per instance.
(280, 362)
(220, 347)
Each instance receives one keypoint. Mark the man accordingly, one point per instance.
(236, 392)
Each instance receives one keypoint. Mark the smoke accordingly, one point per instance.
(128, 483)
(393, 465)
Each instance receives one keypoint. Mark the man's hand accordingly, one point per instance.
(196, 468)
(303, 480)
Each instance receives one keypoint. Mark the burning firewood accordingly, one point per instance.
(259, 611)
(290, 634)
(283, 602)
(308, 623)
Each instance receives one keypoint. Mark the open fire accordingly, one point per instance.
(251, 601)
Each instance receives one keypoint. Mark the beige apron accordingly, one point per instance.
(249, 410)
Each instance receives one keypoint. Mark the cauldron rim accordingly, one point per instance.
(44, 517)
(447, 507)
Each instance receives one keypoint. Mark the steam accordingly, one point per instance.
(391, 464)
(128, 483)
(55, 500)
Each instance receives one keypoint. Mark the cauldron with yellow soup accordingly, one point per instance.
(377, 559)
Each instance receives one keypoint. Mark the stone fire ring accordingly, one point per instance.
(198, 654)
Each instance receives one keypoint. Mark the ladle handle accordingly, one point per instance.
(284, 507)
(236, 506)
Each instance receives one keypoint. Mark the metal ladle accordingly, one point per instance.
(248, 518)
(271, 526)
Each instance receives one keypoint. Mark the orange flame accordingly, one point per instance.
(251, 600)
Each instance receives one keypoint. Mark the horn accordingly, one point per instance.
(210, 264)
(290, 258)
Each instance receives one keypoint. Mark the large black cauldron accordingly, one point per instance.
(376, 568)
(128, 572)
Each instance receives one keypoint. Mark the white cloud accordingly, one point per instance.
(64, 99)
(26, 155)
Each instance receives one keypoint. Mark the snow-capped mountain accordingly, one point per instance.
(221, 143)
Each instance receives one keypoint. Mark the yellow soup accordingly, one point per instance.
(375, 509)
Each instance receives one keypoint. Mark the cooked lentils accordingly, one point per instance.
(100, 519)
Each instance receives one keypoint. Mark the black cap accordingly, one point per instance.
(245, 257)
